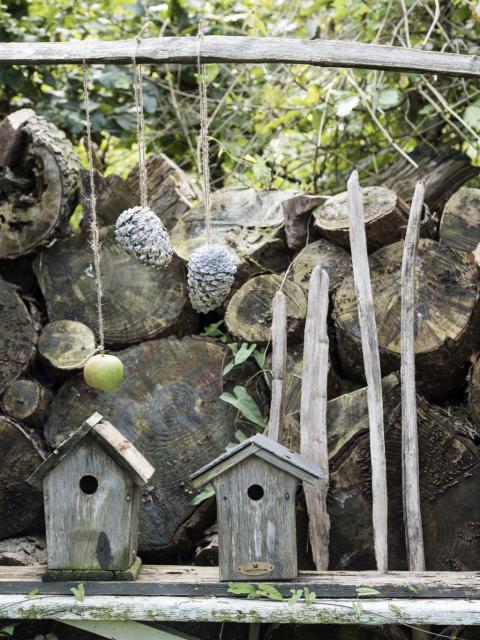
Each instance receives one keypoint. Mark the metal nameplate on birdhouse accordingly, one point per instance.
(255, 568)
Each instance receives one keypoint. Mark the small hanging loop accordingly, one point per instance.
(94, 233)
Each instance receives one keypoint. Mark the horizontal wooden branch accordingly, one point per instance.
(208, 609)
(227, 49)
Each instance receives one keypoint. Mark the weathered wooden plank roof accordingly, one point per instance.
(116, 445)
(271, 451)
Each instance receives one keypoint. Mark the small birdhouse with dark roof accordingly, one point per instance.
(91, 488)
(255, 484)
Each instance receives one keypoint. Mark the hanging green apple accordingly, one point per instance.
(103, 372)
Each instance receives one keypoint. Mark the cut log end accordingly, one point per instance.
(65, 345)
(335, 260)
(27, 401)
(460, 223)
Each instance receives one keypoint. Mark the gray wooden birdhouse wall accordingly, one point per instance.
(255, 485)
(91, 487)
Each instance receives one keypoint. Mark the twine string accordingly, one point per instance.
(139, 109)
(204, 141)
(94, 232)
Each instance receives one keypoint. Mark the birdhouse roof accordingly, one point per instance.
(265, 448)
(115, 444)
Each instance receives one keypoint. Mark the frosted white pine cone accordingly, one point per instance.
(141, 233)
(211, 273)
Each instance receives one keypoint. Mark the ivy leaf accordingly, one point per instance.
(206, 493)
(32, 594)
(309, 596)
(79, 592)
(9, 630)
(365, 592)
(244, 353)
(268, 591)
(346, 106)
(260, 358)
(247, 406)
(295, 597)
(389, 98)
(471, 115)
(242, 589)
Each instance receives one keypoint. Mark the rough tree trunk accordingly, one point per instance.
(449, 485)
(447, 292)
(249, 312)
(385, 217)
(335, 260)
(12, 137)
(248, 221)
(27, 401)
(171, 192)
(460, 223)
(169, 406)
(20, 505)
(17, 335)
(140, 302)
(38, 194)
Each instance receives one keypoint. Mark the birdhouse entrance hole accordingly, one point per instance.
(255, 492)
(88, 484)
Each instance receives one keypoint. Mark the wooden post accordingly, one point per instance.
(279, 356)
(371, 360)
(410, 464)
(313, 412)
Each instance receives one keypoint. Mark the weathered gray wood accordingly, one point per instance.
(313, 412)
(91, 575)
(65, 345)
(260, 446)
(410, 457)
(11, 136)
(90, 531)
(325, 53)
(191, 609)
(256, 531)
(127, 629)
(64, 449)
(27, 400)
(371, 359)
(123, 452)
(279, 357)
(178, 580)
(459, 226)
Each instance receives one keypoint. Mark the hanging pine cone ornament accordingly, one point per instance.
(211, 272)
(141, 233)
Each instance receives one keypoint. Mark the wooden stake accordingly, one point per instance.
(410, 465)
(313, 412)
(371, 360)
(279, 357)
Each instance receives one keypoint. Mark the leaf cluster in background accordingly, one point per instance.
(271, 125)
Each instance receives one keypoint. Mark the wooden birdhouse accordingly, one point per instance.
(255, 484)
(91, 488)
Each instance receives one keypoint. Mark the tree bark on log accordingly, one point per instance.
(113, 195)
(460, 223)
(385, 217)
(27, 401)
(170, 190)
(447, 293)
(169, 406)
(139, 302)
(17, 337)
(443, 172)
(12, 136)
(449, 485)
(335, 260)
(249, 222)
(65, 345)
(38, 195)
(20, 505)
(249, 312)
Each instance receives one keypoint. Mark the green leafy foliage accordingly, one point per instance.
(366, 592)
(205, 494)
(247, 406)
(78, 592)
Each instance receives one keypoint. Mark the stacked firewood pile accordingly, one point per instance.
(170, 404)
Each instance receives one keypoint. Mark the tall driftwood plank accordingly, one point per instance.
(228, 49)
(410, 457)
(371, 360)
(263, 529)
(313, 412)
(89, 531)
(279, 358)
